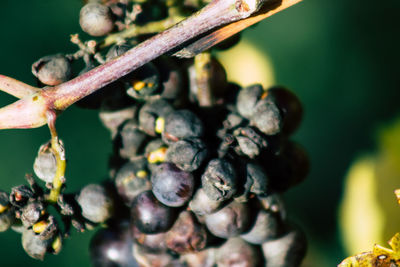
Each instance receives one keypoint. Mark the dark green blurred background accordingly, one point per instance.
(341, 57)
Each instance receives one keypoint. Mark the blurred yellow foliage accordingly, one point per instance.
(369, 212)
(361, 218)
(246, 64)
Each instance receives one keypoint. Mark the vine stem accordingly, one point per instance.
(32, 111)
(202, 67)
(217, 13)
(59, 152)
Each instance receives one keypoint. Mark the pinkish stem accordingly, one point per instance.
(31, 110)
(15, 87)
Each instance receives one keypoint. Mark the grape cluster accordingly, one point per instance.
(198, 167)
(204, 184)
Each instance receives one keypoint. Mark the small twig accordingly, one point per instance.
(137, 30)
(87, 48)
(132, 15)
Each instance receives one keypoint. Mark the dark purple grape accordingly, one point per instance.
(256, 180)
(233, 120)
(132, 139)
(181, 124)
(201, 204)
(287, 251)
(289, 105)
(172, 186)
(268, 225)
(96, 19)
(267, 117)
(96, 203)
(187, 154)
(112, 247)
(250, 142)
(152, 243)
(152, 116)
(52, 70)
(149, 215)
(248, 147)
(186, 235)
(237, 252)
(247, 100)
(256, 183)
(289, 168)
(230, 221)
(219, 180)
(132, 179)
(277, 111)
